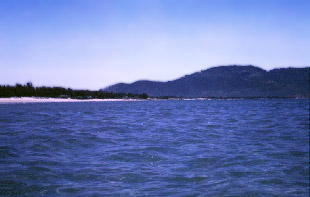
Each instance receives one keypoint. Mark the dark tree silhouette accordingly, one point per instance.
(59, 92)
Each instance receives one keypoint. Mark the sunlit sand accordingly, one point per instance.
(55, 100)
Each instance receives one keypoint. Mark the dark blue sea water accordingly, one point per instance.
(157, 148)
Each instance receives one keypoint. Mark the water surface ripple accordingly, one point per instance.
(157, 148)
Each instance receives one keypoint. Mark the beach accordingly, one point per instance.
(55, 100)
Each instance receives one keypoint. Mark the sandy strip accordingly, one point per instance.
(55, 100)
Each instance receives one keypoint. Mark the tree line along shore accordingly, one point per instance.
(28, 90)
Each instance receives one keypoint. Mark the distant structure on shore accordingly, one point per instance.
(226, 81)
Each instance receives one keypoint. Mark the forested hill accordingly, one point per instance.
(226, 81)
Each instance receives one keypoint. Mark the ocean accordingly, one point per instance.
(256, 147)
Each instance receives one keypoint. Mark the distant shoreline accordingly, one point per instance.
(69, 100)
(56, 100)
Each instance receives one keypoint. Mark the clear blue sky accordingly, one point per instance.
(95, 43)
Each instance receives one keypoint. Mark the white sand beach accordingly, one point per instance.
(55, 100)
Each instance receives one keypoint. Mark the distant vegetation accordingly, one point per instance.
(59, 92)
(226, 82)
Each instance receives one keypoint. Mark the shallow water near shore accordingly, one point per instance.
(160, 148)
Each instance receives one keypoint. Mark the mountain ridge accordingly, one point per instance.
(226, 81)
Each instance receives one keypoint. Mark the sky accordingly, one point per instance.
(91, 44)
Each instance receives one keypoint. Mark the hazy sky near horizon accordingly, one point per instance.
(95, 43)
